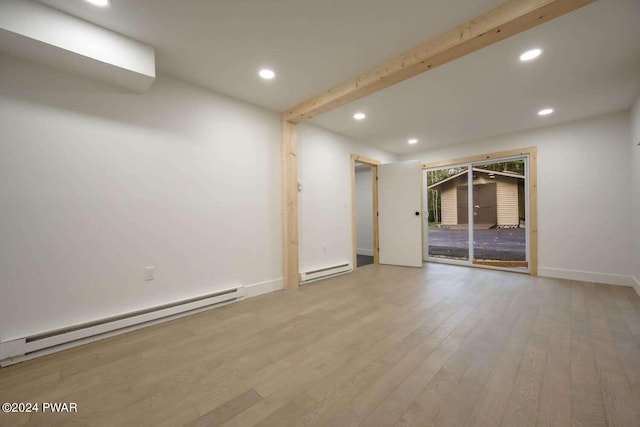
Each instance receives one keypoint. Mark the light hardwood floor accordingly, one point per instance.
(385, 346)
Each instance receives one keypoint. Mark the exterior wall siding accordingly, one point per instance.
(507, 199)
(449, 205)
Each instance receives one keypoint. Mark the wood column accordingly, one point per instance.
(290, 276)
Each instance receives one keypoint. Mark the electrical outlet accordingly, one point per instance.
(149, 273)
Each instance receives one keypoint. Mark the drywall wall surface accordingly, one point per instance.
(584, 203)
(97, 183)
(324, 171)
(364, 211)
(41, 34)
(635, 159)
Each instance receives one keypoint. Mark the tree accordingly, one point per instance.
(515, 166)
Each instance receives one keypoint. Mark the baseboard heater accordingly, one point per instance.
(20, 349)
(323, 273)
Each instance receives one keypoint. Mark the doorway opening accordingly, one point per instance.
(364, 203)
(492, 225)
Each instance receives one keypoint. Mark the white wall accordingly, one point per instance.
(96, 183)
(324, 170)
(584, 203)
(364, 211)
(48, 36)
(635, 159)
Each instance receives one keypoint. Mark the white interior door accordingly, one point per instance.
(399, 207)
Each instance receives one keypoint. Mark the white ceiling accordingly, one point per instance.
(590, 64)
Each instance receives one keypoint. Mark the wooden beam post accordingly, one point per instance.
(290, 275)
(533, 211)
(505, 21)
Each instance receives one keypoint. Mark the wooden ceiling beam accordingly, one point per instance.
(505, 21)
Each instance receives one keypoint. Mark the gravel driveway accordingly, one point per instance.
(493, 244)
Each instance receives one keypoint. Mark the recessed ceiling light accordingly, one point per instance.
(412, 141)
(545, 111)
(359, 116)
(530, 54)
(267, 74)
(101, 3)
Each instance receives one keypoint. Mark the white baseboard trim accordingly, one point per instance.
(367, 252)
(636, 285)
(588, 276)
(264, 288)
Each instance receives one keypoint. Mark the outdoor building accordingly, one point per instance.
(499, 198)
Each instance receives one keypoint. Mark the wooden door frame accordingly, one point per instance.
(532, 153)
(355, 158)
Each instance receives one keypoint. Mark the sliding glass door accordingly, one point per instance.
(448, 238)
(485, 226)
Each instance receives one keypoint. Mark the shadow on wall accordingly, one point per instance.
(170, 105)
